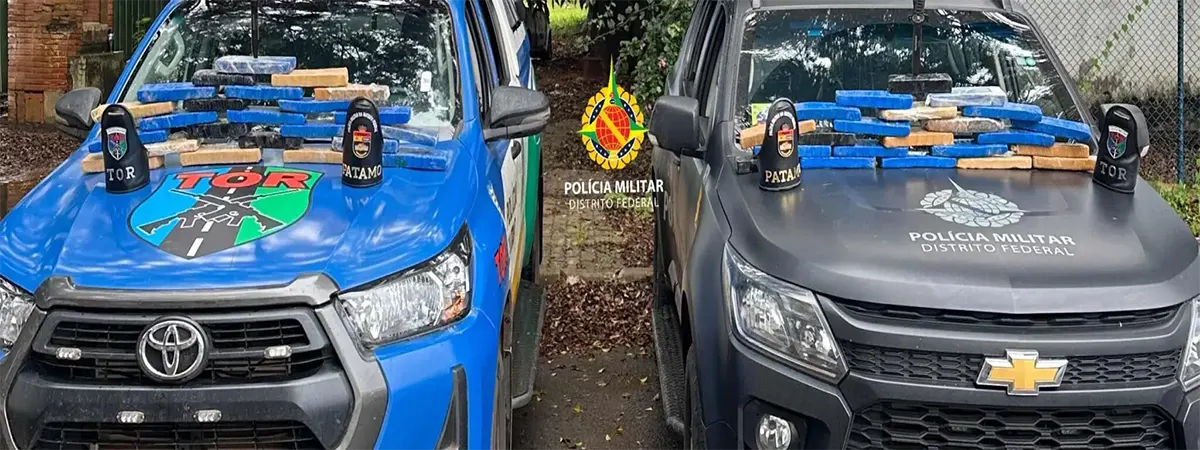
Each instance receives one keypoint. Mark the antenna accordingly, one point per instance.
(917, 18)
(254, 5)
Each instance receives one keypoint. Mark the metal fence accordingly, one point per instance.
(1143, 52)
(131, 18)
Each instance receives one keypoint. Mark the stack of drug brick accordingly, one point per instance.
(968, 128)
(226, 116)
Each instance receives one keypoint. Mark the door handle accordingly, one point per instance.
(517, 148)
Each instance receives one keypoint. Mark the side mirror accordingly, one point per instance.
(73, 112)
(515, 113)
(675, 124)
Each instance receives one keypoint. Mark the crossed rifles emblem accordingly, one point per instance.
(216, 209)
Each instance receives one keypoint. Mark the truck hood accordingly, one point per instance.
(69, 226)
(994, 241)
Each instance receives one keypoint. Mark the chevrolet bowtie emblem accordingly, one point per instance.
(1022, 372)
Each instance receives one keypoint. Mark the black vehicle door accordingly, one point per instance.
(692, 171)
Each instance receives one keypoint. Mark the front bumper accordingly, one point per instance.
(865, 410)
(342, 404)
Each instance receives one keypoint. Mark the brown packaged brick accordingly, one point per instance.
(996, 162)
(964, 125)
(221, 155)
(312, 156)
(1059, 150)
(335, 77)
(753, 136)
(172, 146)
(1072, 164)
(919, 113)
(138, 110)
(374, 92)
(94, 163)
(919, 139)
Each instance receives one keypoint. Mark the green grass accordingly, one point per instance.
(566, 21)
(1185, 198)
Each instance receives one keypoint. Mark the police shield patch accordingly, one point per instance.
(117, 144)
(198, 213)
(1116, 141)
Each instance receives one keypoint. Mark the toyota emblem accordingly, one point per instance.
(172, 350)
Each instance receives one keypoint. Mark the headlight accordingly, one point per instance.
(1189, 375)
(781, 319)
(15, 306)
(428, 296)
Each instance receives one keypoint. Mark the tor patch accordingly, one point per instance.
(195, 214)
(1117, 138)
(117, 142)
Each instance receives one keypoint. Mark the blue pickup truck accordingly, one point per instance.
(247, 297)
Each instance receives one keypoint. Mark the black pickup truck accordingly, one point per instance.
(908, 308)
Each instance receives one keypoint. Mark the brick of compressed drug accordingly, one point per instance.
(1058, 150)
(826, 111)
(214, 104)
(265, 117)
(264, 93)
(94, 163)
(1010, 111)
(919, 139)
(1062, 128)
(311, 106)
(837, 163)
(171, 147)
(919, 113)
(1071, 164)
(873, 99)
(965, 125)
(173, 92)
(918, 162)
(996, 162)
(216, 132)
(920, 85)
(1016, 138)
(969, 96)
(373, 92)
(269, 139)
(176, 120)
(753, 136)
(210, 77)
(138, 110)
(262, 65)
(826, 138)
(968, 150)
(311, 131)
(392, 115)
(334, 77)
(873, 127)
(422, 159)
(411, 135)
(868, 150)
(220, 155)
(312, 156)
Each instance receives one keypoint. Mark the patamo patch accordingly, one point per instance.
(198, 213)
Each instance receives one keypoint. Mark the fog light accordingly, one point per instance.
(774, 433)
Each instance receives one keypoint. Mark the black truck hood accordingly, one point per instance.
(996, 241)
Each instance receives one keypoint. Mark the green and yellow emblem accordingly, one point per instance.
(613, 126)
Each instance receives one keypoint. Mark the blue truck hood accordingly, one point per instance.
(69, 226)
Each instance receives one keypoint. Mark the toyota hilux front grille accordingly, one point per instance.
(178, 436)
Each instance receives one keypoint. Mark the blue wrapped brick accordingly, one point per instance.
(425, 159)
(176, 120)
(413, 135)
(310, 106)
(826, 111)
(969, 150)
(807, 151)
(312, 131)
(1010, 111)
(265, 117)
(1062, 128)
(873, 99)
(392, 115)
(1016, 138)
(918, 162)
(262, 65)
(837, 163)
(873, 127)
(173, 92)
(264, 93)
(93, 145)
(869, 151)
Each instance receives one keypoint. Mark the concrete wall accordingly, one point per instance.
(1142, 61)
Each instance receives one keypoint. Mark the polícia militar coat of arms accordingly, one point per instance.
(613, 126)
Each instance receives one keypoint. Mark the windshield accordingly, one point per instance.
(807, 55)
(405, 44)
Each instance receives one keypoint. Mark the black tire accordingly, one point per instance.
(533, 269)
(502, 412)
(693, 422)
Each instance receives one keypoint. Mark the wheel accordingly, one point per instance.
(693, 426)
(502, 412)
(533, 269)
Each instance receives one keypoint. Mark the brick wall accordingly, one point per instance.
(43, 36)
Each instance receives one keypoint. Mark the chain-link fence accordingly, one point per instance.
(1135, 51)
